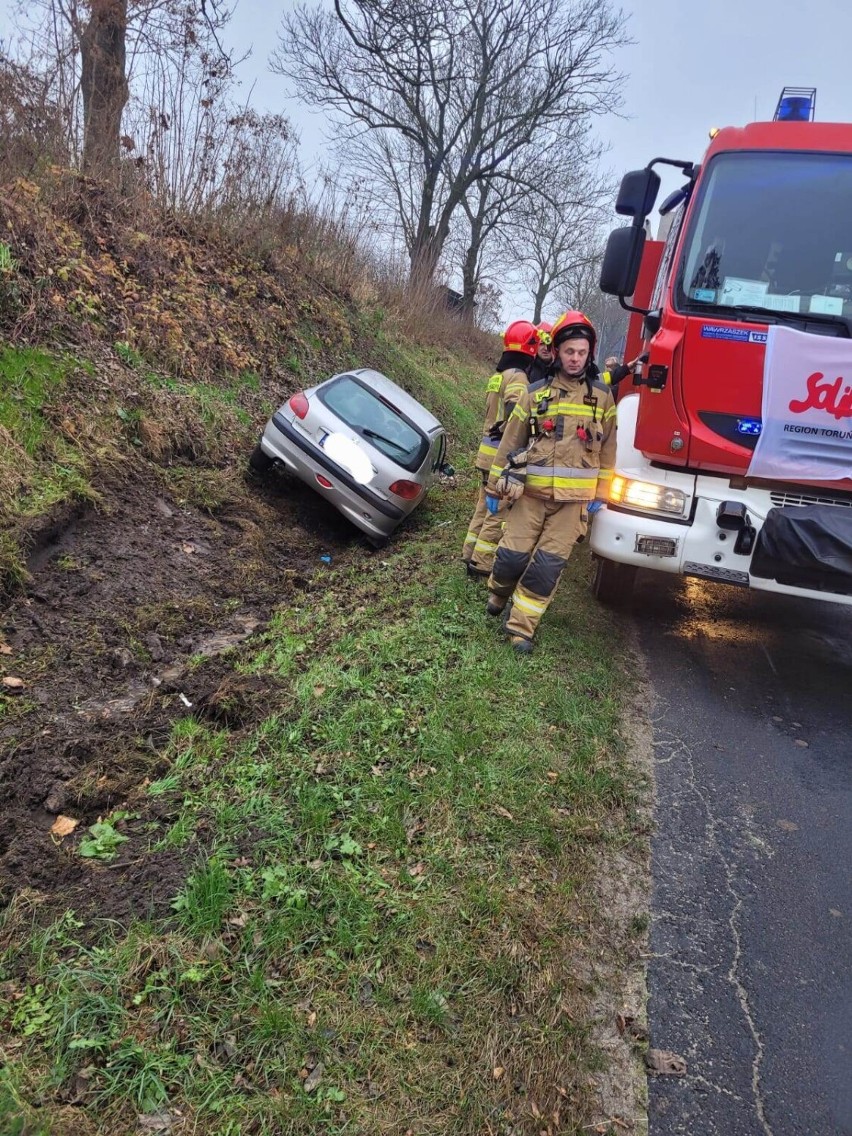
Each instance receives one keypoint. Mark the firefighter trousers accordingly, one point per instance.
(536, 544)
(490, 535)
(477, 520)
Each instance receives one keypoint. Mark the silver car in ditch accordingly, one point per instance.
(361, 441)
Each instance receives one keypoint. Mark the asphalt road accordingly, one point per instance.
(750, 977)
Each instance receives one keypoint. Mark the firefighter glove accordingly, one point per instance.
(593, 507)
(510, 487)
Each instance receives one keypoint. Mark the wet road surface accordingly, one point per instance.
(750, 978)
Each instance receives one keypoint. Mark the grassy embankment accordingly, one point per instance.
(392, 921)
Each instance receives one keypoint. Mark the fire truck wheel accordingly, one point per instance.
(613, 583)
(259, 462)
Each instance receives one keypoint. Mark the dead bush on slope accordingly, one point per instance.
(32, 134)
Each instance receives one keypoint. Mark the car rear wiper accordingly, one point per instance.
(770, 316)
(368, 433)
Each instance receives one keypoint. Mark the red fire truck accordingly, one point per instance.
(759, 238)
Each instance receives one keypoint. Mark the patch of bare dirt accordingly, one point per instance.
(121, 601)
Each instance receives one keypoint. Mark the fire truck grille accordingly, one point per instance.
(782, 499)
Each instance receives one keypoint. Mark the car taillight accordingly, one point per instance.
(407, 490)
(299, 404)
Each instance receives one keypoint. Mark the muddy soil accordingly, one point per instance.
(106, 640)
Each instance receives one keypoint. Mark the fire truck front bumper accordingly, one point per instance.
(747, 537)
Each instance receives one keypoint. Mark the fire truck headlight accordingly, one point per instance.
(647, 497)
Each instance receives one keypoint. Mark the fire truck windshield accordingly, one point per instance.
(772, 232)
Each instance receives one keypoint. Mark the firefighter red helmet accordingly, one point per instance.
(521, 335)
(574, 325)
(544, 333)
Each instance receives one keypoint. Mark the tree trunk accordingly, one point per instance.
(470, 268)
(470, 285)
(540, 296)
(104, 85)
(429, 242)
(424, 262)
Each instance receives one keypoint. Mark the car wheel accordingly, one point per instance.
(613, 582)
(260, 462)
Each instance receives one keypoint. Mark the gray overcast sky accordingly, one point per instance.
(694, 65)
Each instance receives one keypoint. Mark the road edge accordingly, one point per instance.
(620, 1007)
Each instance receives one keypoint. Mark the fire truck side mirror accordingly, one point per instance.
(637, 194)
(621, 260)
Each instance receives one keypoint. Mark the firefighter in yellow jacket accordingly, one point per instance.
(555, 458)
(521, 343)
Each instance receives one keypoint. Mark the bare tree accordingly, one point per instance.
(483, 252)
(90, 49)
(103, 83)
(556, 228)
(443, 94)
(606, 313)
(32, 132)
(482, 206)
(512, 221)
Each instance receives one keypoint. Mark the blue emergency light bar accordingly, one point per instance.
(796, 104)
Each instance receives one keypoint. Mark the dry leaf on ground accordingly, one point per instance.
(11, 682)
(63, 826)
(313, 1078)
(163, 1121)
(665, 1062)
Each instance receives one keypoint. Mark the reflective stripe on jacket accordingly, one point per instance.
(504, 390)
(560, 444)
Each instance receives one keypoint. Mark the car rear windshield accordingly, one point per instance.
(377, 420)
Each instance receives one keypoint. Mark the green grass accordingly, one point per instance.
(28, 379)
(391, 876)
(39, 467)
(395, 882)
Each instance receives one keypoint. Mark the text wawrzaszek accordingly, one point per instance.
(817, 431)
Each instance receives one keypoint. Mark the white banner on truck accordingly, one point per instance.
(807, 408)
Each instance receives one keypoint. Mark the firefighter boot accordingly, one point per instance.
(496, 604)
(522, 645)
